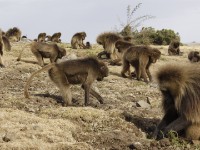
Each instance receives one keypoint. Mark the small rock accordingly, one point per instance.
(196, 142)
(143, 104)
(7, 137)
(135, 146)
(149, 100)
(164, 142)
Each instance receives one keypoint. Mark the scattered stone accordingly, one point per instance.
(135, 146)
(164, 142)
(149, 100)
(7, 137)
(143, 104)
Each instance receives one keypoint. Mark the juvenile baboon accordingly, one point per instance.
(14, 34)
(88, 45)
(77, 40)
(41, 37)
(56, 37)
(194, 56)
(45, 50)
(179, 85)
(141, 58)
(174, 48)
(78, 71)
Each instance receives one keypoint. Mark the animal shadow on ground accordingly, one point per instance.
(147, 125)
(58, 99)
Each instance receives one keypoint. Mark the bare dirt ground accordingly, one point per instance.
(41, 122)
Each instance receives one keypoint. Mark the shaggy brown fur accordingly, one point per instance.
(194, 56)
(141, 58)
(174, 48)
(56, 37)
(14, 34)
(78, 71)
(180, 88)
(108, 40)
(77, 40)
(41, 37)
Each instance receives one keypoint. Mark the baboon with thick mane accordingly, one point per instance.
(45, 50)
(41, 37)
(141, 58)
(173, 48)
(56, 37)
(77, 40)
(179, 85)
(14, 34)
(108, 40)
(78, 71)
(194, 56)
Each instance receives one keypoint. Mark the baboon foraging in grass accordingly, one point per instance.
(77, 40)
(174, 48)
(41, 37)
(88, 45)
(141, 58)
(78, 71)
(194, 56)
(14, 34)
(56, 37)
(179, 85)
(45, 50)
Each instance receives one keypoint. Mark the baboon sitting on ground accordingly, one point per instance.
(179, 85)
(174, 48)
(78, 71)
(45, 50)
(194, 56)
(77, 40)
(41, 37)
(56, 37)
(14, 34)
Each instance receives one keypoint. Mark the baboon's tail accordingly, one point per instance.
(47, 67)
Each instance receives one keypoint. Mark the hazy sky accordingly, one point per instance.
(96, 16)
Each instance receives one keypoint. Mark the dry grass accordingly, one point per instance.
(42, 123)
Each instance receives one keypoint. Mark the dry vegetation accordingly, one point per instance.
(42, 123)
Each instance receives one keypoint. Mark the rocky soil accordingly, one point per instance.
(125, 121)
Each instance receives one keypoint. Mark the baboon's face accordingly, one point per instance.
(176, 44)
(103, 72)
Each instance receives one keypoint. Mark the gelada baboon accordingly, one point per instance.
(194, 56)
(6, 43)
(41, 37)
(141, 58)
(14, 34)
(173, 48)
(45, 50)
(78, 71)
(108, 40)
(56, 37)
(88, 45)
(77, 40)
(179, 85)
(1, 50)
